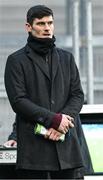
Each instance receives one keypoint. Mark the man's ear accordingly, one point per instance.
(28, 27)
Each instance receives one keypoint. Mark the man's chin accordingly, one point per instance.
(44, 36)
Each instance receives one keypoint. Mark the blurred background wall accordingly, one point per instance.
(78, 28)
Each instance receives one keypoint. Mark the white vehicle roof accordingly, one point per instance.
(92, 108)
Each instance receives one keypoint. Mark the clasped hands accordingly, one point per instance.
(65, 125)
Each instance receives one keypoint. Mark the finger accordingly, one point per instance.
(70, 118)
(64, 131)
(53, 135)
(14, 145)
(47, 134)
(71, 124)
(57, 138)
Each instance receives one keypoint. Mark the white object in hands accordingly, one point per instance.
(41, 130)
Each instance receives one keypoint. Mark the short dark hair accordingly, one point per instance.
(38, 11)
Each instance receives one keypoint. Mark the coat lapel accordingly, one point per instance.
(38, 60)
(55, 63)
(41, 63)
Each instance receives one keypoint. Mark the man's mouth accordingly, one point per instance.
(46, 34)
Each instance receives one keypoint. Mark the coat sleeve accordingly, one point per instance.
(75, 99)
(16, 90)
(13, 135)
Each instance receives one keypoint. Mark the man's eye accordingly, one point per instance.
(41, 23)
(49, 23)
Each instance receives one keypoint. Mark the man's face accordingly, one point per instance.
(42, 28)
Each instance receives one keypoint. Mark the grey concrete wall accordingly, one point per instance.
(7, 117)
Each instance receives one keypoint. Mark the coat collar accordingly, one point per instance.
(37, 59)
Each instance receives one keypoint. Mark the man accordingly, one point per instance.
(43, 86)
(12, 138)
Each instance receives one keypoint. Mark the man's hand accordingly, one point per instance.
(10, 143)
(53, 134)
(66, 123)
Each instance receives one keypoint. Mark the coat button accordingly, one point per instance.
(40, 119)
(52, 102)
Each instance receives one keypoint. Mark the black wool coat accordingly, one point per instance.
(36, 96)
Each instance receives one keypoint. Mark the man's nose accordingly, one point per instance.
(47, 27)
